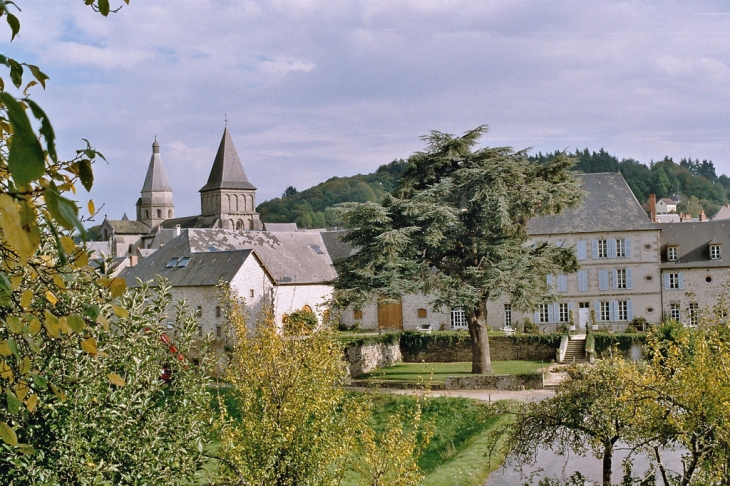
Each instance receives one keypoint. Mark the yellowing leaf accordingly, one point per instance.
(6, 371)
(35, 326)
(4, 348)
(92, 209)
(25, 366)
(82, 259)
(26, 299)
(52, 325)
(58, 280)
(15, 325)
(31, 402)
(89, 345)
(118, 286)
(21, 390)
(8, 434)
(103, 321)
(13, 231)
(76, 322)
(121, 312)
(104, 282)
(58, 392)
(63, 325)
(68, 245)
(51, 298)
(15, 281)
(116, 379)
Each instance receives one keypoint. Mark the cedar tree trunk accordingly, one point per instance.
(480, 360)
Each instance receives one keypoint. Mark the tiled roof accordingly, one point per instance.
(184, 222)
(723, 213)
(607, 205)
(693, 240)
(156, 179)
(227, 171)
(338, 249)
(122, 227)
(280, 227)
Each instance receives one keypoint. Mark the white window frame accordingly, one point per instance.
(543, 312)
(694, 313)
(623, 311)
(620, 276)
(605, 311)
(620, 247)
(672, 253)
(673, 281)
(458, 319)
(715, 253)
(602, 249)
(675, 311)
(507, 314)
(563, 313)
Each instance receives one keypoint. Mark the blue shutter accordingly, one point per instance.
(550, 313)
(536, 317)
(628, 279)
(594, 249)
(582, 280)
(615, 279)
(613, 310)
(556, 313)
(597, 308)
(562, 283)
(681, 281)
(666, 281)
(549, 280)
(581, 250)
(630, 310)
(627, 247)
(611, 244)
(603, 280)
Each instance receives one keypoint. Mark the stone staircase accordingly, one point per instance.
(576, 351)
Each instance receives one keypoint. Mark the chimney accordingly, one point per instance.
(652, 207)
(133, 260)
(177, 230)
(703, 216)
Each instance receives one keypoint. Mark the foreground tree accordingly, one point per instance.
(296, 425)
(456, 229)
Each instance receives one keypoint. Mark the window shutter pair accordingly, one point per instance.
(582, 280)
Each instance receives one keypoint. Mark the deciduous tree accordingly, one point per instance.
(456, 229)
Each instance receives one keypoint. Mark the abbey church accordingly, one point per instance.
(227, 200)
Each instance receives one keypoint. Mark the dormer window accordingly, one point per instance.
(672, 253)
(715, 252)
(171, 263)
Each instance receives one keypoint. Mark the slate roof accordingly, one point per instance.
(338, 249)
(280, 227)
(184, 222)
(122, 227)
(668, 218)
(607, 205)
(156, 179)
(227, 171)
(693, 240)
(203, 269)
(723, 212)
(290, 258)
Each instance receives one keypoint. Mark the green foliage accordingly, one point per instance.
(301, 319)
(605, 341)
(311, 208)
(352, 339)
(414, 342)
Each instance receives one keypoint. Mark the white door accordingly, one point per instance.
(583, 316)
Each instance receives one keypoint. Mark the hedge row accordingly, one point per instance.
(601, 341)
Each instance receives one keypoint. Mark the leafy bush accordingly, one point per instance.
(415, 342)
(623, 342)
(301, 320)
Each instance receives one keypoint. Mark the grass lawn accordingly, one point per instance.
(437, 372)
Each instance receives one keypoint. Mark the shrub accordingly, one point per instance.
(530, 327)
(301, 320)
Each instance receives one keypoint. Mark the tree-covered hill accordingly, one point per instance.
(696, 182)
(311, 208)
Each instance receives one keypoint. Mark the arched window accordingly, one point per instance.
(250, 203)
(146, 214)
(236, 203)
(159, 213)
(228, 203)
(230, 224)
(239, 224)
(169, 213)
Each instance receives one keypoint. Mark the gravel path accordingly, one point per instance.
(484, 395)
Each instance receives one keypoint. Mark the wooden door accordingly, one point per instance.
(390, 315)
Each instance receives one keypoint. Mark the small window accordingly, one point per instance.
(458, 319)
(649, 310)
(673, 280)
(199, 311)
(623, 310)
(421, 313)
(620, 276)
(708, 279)
(159, 213)
(674, 311)
(217, 311)
(672, 253)
(648, 278)
(218, 331)
(507, 314)
(251, 293)
(647, 247)
(171, 263)
(357, 315)
(715, 252)
(694, 313)
(169, 213)
(602, 249)
(620, 247)
(543, 313)
(200, 331)
(605, 311)
(183, 262)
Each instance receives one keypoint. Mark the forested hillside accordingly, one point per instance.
(311, 208)
(696, 182)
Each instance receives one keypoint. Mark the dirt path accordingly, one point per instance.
(484, 395)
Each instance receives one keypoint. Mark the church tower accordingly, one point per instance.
(228, 200)
(155, 205)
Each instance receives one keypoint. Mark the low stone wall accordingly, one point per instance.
(368, 357)
(532, 381)
(501, 348)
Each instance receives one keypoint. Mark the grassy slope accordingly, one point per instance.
(437, 372)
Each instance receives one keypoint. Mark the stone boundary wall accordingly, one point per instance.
(368, 357)
(532, 381)
(501, 348)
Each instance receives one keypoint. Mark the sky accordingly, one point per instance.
(313, 89)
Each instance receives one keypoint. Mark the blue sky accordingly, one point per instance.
(321, 88)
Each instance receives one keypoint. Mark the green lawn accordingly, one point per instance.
(438, 372)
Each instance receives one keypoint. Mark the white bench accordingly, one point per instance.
(508, 331)
(426, 328)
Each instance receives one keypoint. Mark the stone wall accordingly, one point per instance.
(368, 357)
(501, 348)
(532, 381)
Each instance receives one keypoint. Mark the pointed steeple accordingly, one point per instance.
(155, 204)
(227, 171)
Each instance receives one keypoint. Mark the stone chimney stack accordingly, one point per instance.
(652, 207)
(703, 216)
